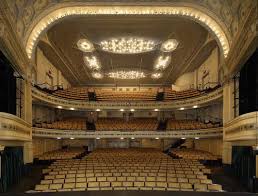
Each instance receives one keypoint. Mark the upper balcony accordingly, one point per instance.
(200, 100)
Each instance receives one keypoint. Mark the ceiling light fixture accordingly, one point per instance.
(169, 46)
(183, 138)
(59, 107)
(47, 21)
(162, 62)
(156, 138)
(127, 45)
(97, 138)
(195, 106)
(72, 138)
(121, 110)
(156, 110)
(97, 110)
(132, 110)
(121, 138)
(72, 109)
(85, 45)
(92, 62)
(182, 109)
(156, 75)
(132, 138)
(196, 138)
(129, 75)
(59, 138)
(97, 75)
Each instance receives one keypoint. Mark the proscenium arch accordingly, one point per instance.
(189, 12)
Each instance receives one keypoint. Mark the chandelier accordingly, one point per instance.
(162, 62)
(169, 46)
(85, 45)
(127, 45)
(122, 74)
(92, 62)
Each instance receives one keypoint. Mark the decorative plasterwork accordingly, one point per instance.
(243, 127)
(54, 133)
(189, 12)
(54, 101)
(14, 128)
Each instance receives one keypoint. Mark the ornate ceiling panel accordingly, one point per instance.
(65, 35)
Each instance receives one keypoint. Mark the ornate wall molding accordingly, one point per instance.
(243, 127)
(14, 128)
(205, 99)
(54, 133)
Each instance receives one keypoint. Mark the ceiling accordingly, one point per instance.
(62, 51)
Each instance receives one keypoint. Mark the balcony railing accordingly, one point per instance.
(14, 128)
(80, 134)
(52, 100)
(243, 127)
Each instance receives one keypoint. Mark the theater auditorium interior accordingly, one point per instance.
(131, 97)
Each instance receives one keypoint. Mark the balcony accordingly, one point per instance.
(54, 101)
(14, 128)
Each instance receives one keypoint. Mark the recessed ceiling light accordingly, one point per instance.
(85, 45)
(156, 138)
(183, 138)
(72, 138)
(97, 110)
(132, 110)
(121, 138)
(59, 138)
(196, 138)
(121, 110)
(156, 75)
(72, 109)
(169, 46)
(97, 75)
(132, 138)
(156, 110)
(181, 108)
(195, 106)
(97, 138)
(59, 107)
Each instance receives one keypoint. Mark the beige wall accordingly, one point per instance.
(213, 146)
(207, 72)
(44, 68)
(41, 146)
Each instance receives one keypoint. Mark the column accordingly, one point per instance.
(228, 114)
(28, 152)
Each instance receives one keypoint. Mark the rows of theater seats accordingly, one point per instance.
(120, 124)
(174, 95)
(69, 153)
(81, 93)
(77, 93)
(188, 124)
(67, 124)
(193, 154)
(103, 95)
(126, 169)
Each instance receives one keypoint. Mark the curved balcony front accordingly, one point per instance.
(80, 134)
(14, 128)
(54, 101)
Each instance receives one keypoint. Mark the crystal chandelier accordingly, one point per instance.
(85, 45)
(122, 74)
(169, 46)
(92, 62)
(156, 75)
(127, 45)
(162, 62)
(97, 75)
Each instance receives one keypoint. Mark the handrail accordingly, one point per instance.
(54, 133)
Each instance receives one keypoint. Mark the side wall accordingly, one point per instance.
(41, 146)
(213, 146)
